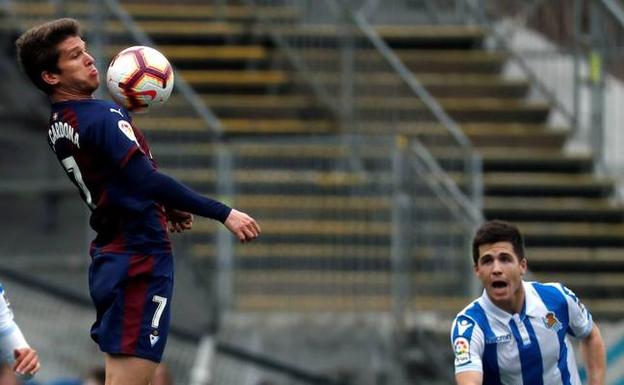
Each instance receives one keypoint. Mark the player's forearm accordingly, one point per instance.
(12, 338)
(593, 351)
(469, 378)
(168, 191)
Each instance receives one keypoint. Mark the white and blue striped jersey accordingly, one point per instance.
(530, 348)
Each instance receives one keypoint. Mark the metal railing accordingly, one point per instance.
(354, 72)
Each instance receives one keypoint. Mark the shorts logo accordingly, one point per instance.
(154, 337)
(462, 351)
(551, 321)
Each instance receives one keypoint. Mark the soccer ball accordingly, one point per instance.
(140, 78)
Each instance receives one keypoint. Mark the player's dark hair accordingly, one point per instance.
(37, 49)
(498, 231)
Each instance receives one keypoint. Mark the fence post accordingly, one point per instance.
(224, 266)
(401, 228)
(596, 80)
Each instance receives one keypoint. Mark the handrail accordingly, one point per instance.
(615, 9)
(472, 211)
(408, 77)
(187, 91)
(473, 160)
(528, 71)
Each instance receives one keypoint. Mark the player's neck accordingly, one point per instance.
(515, 303)
(63, 96)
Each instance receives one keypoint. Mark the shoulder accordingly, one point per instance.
(470, 316)
(555, 295)
(109, 109)
(550, 290)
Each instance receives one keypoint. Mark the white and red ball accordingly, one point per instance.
(140, 78)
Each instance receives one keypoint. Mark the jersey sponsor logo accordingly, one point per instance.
(551, 321)
(126, 128)
(60, 130)
(499, 339)
(116, 111)
(461, 346)
(463, 325)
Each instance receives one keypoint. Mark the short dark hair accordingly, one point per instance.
(498, 231)
(37, 49)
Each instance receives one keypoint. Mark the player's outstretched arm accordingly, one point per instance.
(593, 350)
(26, 362)
(174, 195)
(242, 225)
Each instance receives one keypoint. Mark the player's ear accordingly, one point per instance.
(524, 265)
(50, 77)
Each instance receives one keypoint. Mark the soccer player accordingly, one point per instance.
(132, 204)
(13, 346)
(517, 332)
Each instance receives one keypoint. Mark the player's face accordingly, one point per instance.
(78, 75)
(500, 272)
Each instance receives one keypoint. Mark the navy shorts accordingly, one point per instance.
(132, 296)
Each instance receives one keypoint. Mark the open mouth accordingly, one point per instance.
(499, 284)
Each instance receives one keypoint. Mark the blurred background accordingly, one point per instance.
(369, 138)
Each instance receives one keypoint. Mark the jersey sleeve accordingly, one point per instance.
(11, 336)
(468, 344)
(114, 136)
(581, 322)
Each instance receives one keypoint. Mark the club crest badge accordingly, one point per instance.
(551, 322)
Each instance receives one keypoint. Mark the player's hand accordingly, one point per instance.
(242, 225)
(26, 361)
(179, 221)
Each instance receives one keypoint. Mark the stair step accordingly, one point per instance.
(443, 86)
(537, 234)
(417, 60)
(483, 135)
(495, 184)
(553, 209)
(577, 259)
(284, 281)
(570, 234)
(602, 309)
(546, 184)
(200, 32)
(488, 114)
(207, 56)
(159, 11)
(345, 303)
(316, 156)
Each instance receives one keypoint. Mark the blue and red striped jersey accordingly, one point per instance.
(93, 140)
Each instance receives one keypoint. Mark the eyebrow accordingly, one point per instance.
(78, 47)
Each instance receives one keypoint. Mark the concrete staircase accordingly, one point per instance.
(317, 252)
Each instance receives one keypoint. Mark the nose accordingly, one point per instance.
(497, 267)
(89, 59)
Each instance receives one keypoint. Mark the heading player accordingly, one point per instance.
(519, 332)
(108, 159)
